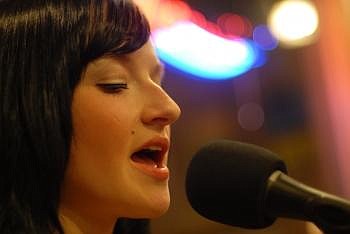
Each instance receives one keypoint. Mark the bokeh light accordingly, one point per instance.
(264, 38)
(293, 22)
(170, 12)
(163, 13)
(234, 25)
(251, 116)
(185, 39)
(260, 58)
(192, 49)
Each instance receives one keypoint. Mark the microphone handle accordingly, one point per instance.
(289, 198)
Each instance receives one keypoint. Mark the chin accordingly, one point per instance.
(159, 210)
(154, 208)
(159, 207)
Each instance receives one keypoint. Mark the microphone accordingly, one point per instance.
(247, 186)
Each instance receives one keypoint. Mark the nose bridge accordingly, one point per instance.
(160, 108)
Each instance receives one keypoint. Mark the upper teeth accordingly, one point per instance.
(154, 148)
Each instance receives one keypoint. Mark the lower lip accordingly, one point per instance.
(158, 173)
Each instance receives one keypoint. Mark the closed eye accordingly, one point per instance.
(112, 87)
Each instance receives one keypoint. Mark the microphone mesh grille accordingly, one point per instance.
(226, 182)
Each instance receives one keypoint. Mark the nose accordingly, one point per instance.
(160, 109)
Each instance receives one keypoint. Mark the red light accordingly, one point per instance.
(181, 10)
(163, 13)
(199, 19)
(214, 28)
(234, 25)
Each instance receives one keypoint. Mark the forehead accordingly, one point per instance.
(145, 55)
(142, 59)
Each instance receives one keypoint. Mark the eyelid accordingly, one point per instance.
(112, 87)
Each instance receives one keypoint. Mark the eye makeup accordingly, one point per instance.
(112, 87)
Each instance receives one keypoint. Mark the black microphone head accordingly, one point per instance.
(227, 181)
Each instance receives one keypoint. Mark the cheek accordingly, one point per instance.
(101, 137)
(99, 129)
(100, 144)
(100, 123)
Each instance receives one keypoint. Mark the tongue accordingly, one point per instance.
(143, 160)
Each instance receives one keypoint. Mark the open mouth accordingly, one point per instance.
(151, 156)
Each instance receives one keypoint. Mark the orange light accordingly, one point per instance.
(149, 8)
(171, 11)
(162, 13)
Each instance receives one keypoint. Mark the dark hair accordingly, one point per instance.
(44, 48)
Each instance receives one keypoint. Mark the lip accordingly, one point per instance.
(161, 172)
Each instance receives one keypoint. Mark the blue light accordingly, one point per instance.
(194, 50)
(260, 54)
(263, 37)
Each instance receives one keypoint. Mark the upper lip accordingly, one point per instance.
(163, 143)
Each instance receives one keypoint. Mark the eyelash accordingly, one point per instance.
(113, 87)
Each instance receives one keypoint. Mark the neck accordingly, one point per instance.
(90, 222)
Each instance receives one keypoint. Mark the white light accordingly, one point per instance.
(293, 22)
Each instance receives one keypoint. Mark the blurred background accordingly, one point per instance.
(267, 72)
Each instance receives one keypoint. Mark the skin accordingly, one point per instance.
(101, 182)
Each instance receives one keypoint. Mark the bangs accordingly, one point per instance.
(44, 47)
(115, 27)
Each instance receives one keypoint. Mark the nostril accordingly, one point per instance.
(162, 121)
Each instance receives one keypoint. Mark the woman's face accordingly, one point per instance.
(121, 119)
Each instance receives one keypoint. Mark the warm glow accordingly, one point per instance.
(164, 13)
(293, 22)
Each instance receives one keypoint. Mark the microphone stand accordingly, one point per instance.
(291, 199)
(331, 215)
